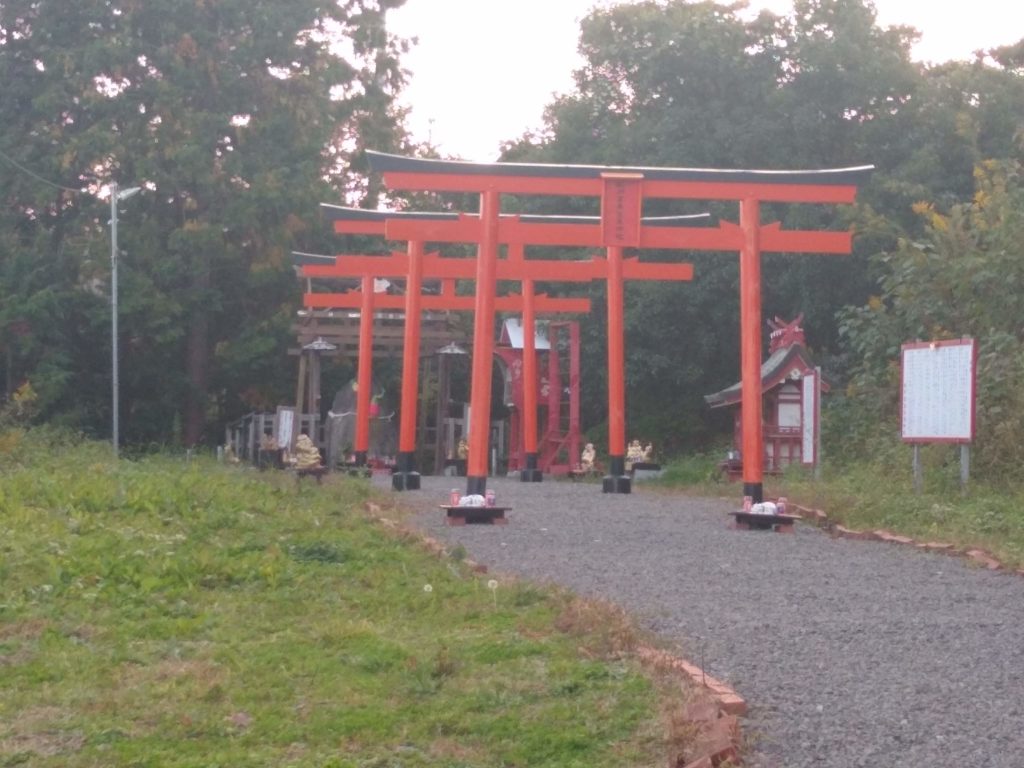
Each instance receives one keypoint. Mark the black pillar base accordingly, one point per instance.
(755, 491)
(531, 474)
(476, 485)
(617, 484)
(405, 481)
(405, 477)
(617, 481)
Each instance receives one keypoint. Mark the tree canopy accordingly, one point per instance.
(237, 118)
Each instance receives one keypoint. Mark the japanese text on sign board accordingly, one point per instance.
(937, 399)
(621, 204)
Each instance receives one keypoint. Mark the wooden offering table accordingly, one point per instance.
(752, 521)
(457, 515)
(317, 472)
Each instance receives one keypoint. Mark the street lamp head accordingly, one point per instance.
(124, 194)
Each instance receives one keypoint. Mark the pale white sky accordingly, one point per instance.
(485, 69)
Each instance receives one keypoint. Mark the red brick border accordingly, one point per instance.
(979, 557)
(716, 719)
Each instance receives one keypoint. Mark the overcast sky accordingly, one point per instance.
(484, 69)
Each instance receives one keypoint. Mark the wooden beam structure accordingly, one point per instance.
(548, 230)
(622, 192)
(415, 266)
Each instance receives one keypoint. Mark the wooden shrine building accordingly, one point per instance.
(787, 377)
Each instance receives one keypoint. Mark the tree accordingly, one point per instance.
(964, 277)
(238, 117)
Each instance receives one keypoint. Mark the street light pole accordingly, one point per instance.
(113, 318)
(115, 197)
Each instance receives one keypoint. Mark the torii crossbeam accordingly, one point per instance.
(622, 191)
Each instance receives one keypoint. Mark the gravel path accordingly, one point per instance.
(849, 653)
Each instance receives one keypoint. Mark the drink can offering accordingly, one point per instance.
(490, 498)
(781, 504)
(453, 498)
(748, 502)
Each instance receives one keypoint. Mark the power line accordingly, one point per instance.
(35, 175)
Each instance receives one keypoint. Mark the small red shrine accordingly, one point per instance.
(784, 376)
(557, 395)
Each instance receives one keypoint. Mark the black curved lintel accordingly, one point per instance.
(381, 162)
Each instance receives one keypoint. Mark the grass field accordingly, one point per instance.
(163, 613)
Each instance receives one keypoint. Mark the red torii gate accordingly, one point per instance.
(415, 266)
(515, 267)
(622, 191)
(448, 227)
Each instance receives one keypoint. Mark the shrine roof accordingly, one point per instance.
(381, 162)
(343, 213)
(774, 371)
(512, 335)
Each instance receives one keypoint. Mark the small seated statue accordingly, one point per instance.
(648, 457)
(634, 454)
(587, 458)
(463, 449)
(307, 455)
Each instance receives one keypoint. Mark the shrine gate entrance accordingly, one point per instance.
(622, 192)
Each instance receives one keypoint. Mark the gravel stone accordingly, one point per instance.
(849, 653)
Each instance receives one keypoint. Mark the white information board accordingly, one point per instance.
(937, 391)
(809, 419)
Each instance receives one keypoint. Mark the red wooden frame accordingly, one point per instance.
(622, 191)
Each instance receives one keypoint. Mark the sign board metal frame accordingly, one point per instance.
(938, 387)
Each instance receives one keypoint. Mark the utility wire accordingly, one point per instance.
(34, 175)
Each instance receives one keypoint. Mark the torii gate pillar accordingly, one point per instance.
(750, 353)
(483, 344)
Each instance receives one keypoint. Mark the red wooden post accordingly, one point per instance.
(405, 476)
(621, 208)
(483, 344)
(530, 473)
(616, 481)
(574, 385)
(364, 376)
(554, 388)
(750, 342)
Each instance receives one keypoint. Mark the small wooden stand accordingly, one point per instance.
(748, 521)
(317, 472)
(457, 515)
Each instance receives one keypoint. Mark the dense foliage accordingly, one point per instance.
(237, 118)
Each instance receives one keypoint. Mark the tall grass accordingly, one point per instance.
(169, 613)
